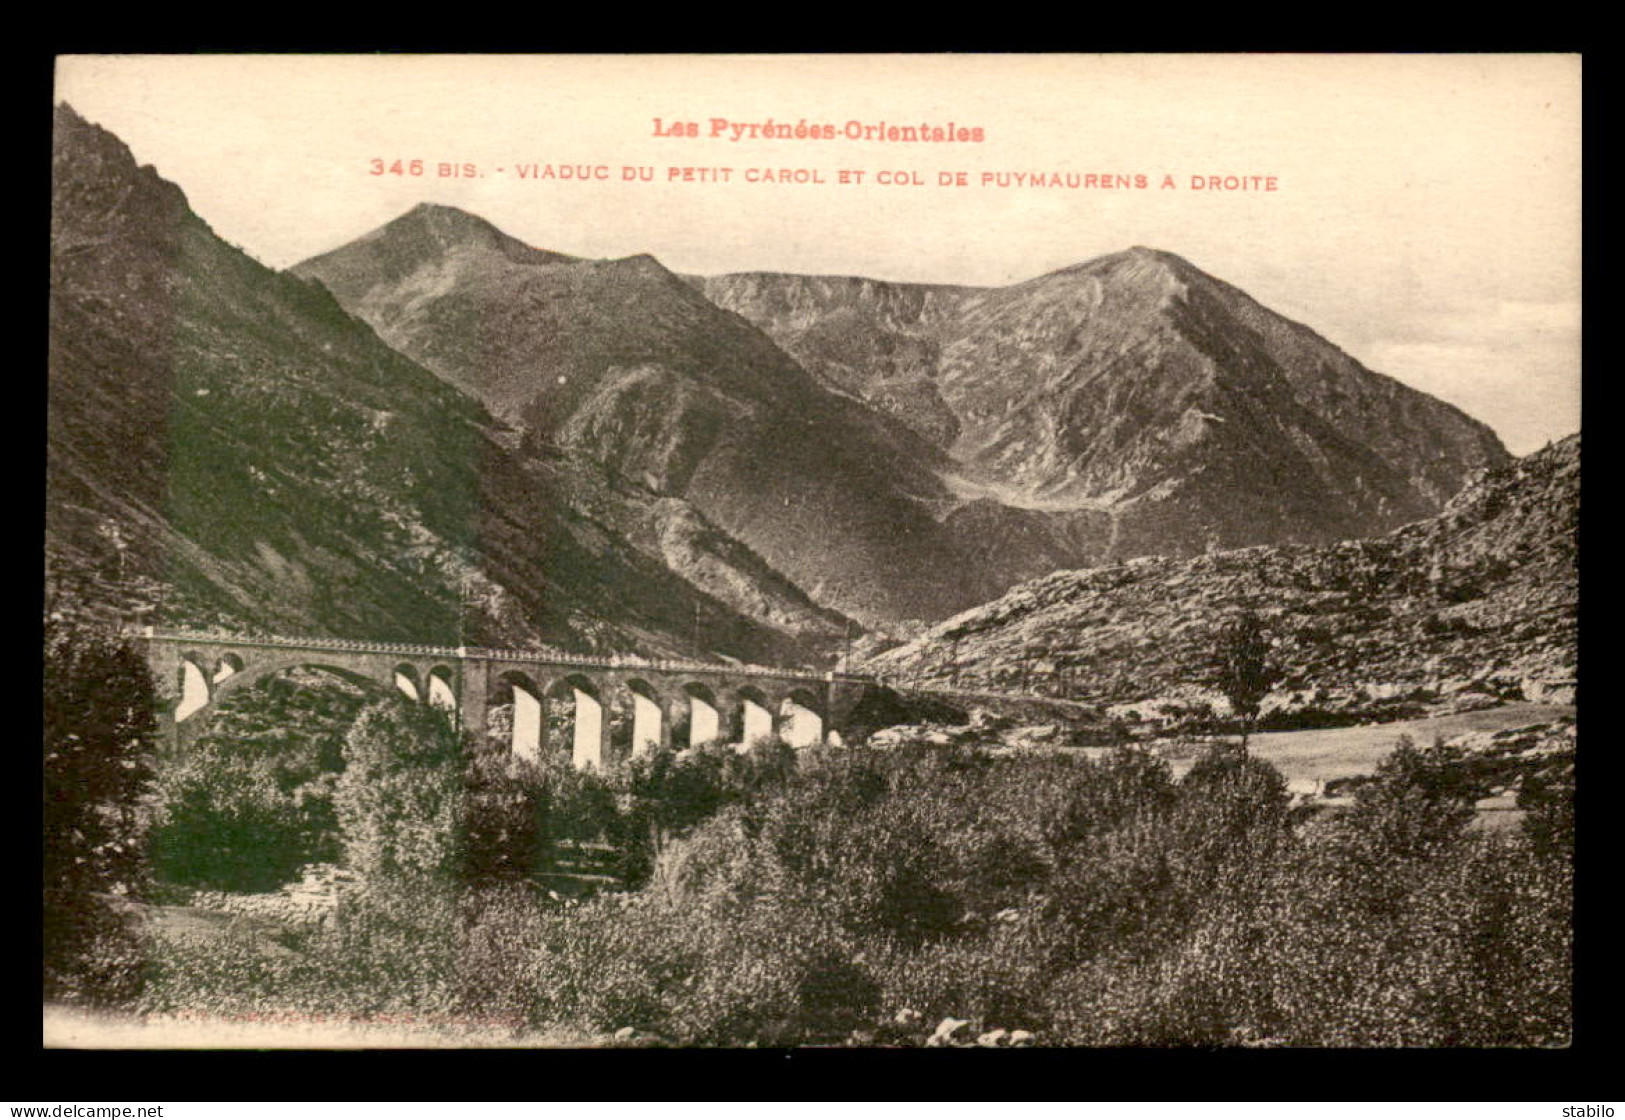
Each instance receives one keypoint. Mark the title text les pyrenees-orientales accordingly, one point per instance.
(924, 132)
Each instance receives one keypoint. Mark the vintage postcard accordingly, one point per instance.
(781, 551)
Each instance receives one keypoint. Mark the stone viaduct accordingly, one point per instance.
(719, 702)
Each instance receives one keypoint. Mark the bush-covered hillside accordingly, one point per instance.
(937, 896)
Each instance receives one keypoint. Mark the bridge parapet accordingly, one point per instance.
(532, 657)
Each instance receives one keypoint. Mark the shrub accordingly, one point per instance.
(702, 974)
(1548, 798)
(580, 803)
(401, 799)
(999, 977)
(1091, 903)
(664, 794)
(1419, 803)
(98, 763)
(252, 801)
(1094, 799)
(390, 951)
(1175, 1001)
(1465, 946)
(875, 871)
(1232, 814)
(717, 864)
(507, 818)
(1121, 889)
(500, 947)
(606, 965)
(777, 977)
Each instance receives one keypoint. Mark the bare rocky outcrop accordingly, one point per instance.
(1472, 607)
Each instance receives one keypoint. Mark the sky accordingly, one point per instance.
(1425, 215)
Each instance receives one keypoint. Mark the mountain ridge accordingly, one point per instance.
(229, 448)
(1126, 405)
(1111, 383)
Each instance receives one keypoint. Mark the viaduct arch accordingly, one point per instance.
(727, 703)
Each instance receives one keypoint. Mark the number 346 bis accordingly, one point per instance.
(419, 168)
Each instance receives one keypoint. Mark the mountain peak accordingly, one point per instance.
(1147, 251)
(67, 115)
(432, 229)
(1143, 261)
(642, 260)
(68, 119)
(1138, 269)
(421, 237)
(97, 184)
(647, 266)
(78, 140)
(453, 213)
(446, 226)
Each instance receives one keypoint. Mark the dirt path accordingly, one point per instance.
(76, 1029)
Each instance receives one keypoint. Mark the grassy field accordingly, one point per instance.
(1341, 752)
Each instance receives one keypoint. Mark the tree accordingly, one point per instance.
(99, 746)
(665, 793)
(1233, 817)
(252, 800)
(113, 533)
(1245, 672)
(1419, 802)
(509, 802)
(401, 798)
(1547, 795)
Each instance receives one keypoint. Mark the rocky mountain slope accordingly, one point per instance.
(621, 362)
(907, 450)
(227, 446)
(787, 449)
(1475, 604)
(1171, 407)
(874, 339)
